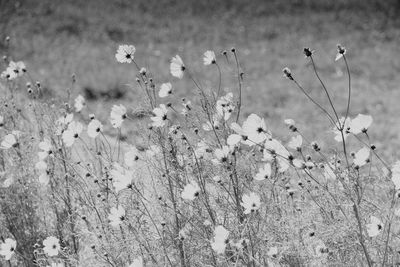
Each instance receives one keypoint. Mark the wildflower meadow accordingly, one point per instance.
(193, 180)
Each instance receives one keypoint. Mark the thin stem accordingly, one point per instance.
(240, 85)
(349, 96)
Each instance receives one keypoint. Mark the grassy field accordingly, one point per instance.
(59, 38)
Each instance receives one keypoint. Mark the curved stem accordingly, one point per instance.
(349, 96)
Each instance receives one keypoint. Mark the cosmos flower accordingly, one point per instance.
(131, 156)
(41, 166)
(165, 90)
(375, 227)
(44, 178)
(177, 67)
(264, 172)
(138, 262)
(225, 107)
(250, 203)
(346, 126)
(190, 191)
(209, 58)
(72, 133)
(296, 142)
(274, 148)
(360, 124)
(215, 123)
(7, 249)
(46, 149)
(94, 128)
(272, 252)
(121, 177)
(202, 150)
(222, 154)
(160, 117)
(117, 116)
(298, 163)
(116, 216)
(9, 141)
(361, 157)
(125, 53)
(51, 246)
(255, 128)
(62, 123)
(14, 70)
(79, 103)
(220, 238)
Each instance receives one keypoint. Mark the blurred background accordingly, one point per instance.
(59, 38)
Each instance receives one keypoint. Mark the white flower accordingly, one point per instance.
(153, 151)
(138, 262)
(7, 249)
(202, 150)
(125, 53)
(72, 133)
(215, 119)
(1, 121)
(233, 140)
(272, 252)
(51, 246)
(225, 107)
(116, 216)
(250, 203)
(222, 154)
(360, 124)
(117, 116)
(131, 156)
(63, 122)
(264, 172)
(272, 148)
(177, 67)
(396, 175)
(299, 164)
(79, 103)
(338, 134)
(160, 116)
(94, 128)
(220, 238)
(14, 70)
(209, 58)
(165, 90)
(295, 142)
(121, 177)
(44, 178)
(255, 128)
(46, 148)
(190, 191)
(9, 141)
(375, 227)
(41, 166)
(361, 157)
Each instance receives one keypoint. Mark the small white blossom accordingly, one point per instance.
(165, 90)
(209, 58)
(51, 246)
(116, 216)
(250, 203)
(95, 127)
(125, 53)
(117, 116)
(177, 67)
(190, 191)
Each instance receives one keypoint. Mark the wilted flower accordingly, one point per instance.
(117, 116)
(116, 216)
(341, 51)
(94, 128)
(220, 238)
(7, 249)
(177, 67)
(287, 73)
(79, 103)
(72, 133)
(308, 52)
(375, 227)
(250, 203)
(190, 191)
(264, 172)
(209, 58)
(125, 53)
(51, 246)
(165, 90)
(360, 124)
(160, 116)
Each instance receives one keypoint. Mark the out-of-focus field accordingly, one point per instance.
(58, 38)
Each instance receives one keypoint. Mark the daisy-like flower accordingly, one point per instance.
(51, 246)
(94, 128)
(202, 150)
(41, 166)
(225, 107)
(375, 227)
(255, 128)
(131, 156)
(117, 116)
(177, 67)
(44, 178)
(72, 133)
(209, 58)
(7, 249)
(360, 124)
(220, 238)
(222, 154)
(116, 216)
(79, 103)
(62, 123)
(346, 126)
(125, 53)
(274, 148)
(160, 117)
(296, 142)
(341, 51)
(250, 203)
(396, 175)
(46, 149)
(165, 90)
(121, 177)
(264, 172)
(191, 191)
(361, 157)
(9, 141)
(138, 262)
